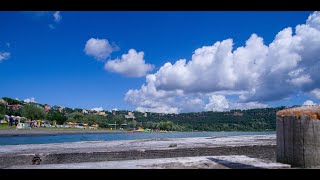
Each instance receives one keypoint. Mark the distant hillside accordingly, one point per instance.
(235, 120)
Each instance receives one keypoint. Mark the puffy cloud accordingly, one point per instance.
(57, 16)
(131, 64)
(30, 100)
(220, 103)
(314, 20)
(99, 48)
(217, 103)
(262, 73)
(98, 109)
(316, 93)
(191, 104)
(309, 103)
(4, 56)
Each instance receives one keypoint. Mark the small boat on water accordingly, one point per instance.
(139, 130)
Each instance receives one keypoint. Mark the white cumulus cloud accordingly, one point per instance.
(220, 103)
(57, 16)
(30, 100)
(261, 72)
(99, 48)
(98, 109)
(4, 56)
(217, 103)
(130, 65)
(316, 93)
(309, 103)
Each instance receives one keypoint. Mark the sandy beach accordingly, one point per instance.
(252, 146)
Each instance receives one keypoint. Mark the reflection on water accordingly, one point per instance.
(43, 139)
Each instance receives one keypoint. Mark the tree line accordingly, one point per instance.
(234, 120)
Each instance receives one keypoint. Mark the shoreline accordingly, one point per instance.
(40, 132)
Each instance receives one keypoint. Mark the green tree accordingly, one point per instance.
(67, 110)
(78, 110)
(78, 116)
(11, 101)
(104, 125)
(56, 116)
(15, 112)
(133, 124)
(33, 112)
(119, 119)
(3, 109)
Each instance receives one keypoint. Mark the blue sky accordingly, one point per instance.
(48, 59)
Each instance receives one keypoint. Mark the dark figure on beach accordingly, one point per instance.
(36, 160)
(10, 121)
(16, 122)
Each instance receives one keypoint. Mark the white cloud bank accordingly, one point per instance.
(261, 73)
(30, 100)
(4, 56)
(131, 64)
(220, 103)
(309, 103)
(98, 109)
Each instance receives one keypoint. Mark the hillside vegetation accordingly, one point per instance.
(235, 120)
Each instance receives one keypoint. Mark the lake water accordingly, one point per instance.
(43, 139)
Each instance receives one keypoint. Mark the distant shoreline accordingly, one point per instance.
(38, 132)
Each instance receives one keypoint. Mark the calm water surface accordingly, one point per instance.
(43, 139)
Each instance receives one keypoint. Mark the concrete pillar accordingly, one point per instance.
(298, 136)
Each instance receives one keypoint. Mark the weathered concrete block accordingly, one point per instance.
(298, 136)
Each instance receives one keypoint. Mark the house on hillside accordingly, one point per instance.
(58, 108)
(47, 108)
(3, 102)
(15, 107)
(84, 111)
(130, 116)
(101, 113)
